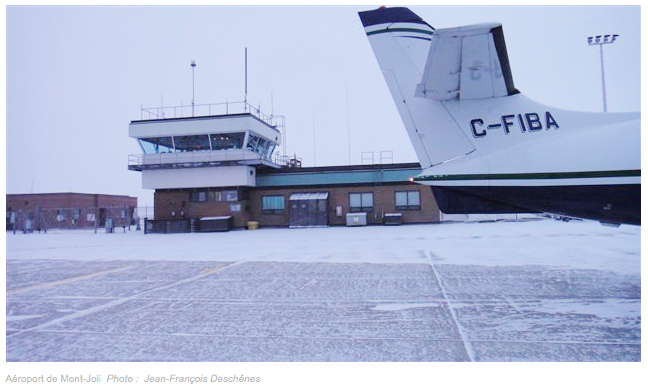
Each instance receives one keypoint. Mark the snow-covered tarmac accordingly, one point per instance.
(505, 291)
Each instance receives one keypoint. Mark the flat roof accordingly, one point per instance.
(337, 175)
(214, 124)
(41, 194)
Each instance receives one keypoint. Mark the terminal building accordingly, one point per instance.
(223, 171)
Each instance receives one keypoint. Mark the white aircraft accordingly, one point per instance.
(484, 146)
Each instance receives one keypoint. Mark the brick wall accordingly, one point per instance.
(178, 204)
(68, 210)
(384, 202)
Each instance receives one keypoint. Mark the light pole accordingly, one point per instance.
(601, 40)
(193, 88)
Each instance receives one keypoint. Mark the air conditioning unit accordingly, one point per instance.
(393, 218)
(356, 219)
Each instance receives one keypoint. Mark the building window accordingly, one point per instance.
(362, 201)
(214, 196)
(407, 200)
(273, 204)
(229, 196)
(227, 141)
(61, 215)
(157, 145)
(262, 147)
(198, 196)
(191, 143)
(76, 214)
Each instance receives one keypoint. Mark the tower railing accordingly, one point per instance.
(206, 158)
(211, 109)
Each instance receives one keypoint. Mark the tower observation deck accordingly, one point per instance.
(220, 145)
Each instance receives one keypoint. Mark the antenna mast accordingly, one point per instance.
(246, 71)
(193, 89)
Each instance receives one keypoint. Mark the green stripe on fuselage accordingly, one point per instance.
(533, 176)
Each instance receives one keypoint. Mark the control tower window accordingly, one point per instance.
(156, 145)
(190, 143)
(227, 141)
(261, 146)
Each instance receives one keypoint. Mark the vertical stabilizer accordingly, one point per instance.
(401, 41)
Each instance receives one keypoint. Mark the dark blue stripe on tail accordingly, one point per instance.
(389, 15)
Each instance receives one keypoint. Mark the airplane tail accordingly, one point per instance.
(454, 86)
(401, 42)
(438, 78)
(477, 136)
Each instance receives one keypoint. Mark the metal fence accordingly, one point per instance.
(109, 218)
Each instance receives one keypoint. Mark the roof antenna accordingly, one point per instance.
(193, 89)
(162, 104)
(246, 71)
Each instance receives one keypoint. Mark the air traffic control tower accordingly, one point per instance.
(212, 150)
(221, 171)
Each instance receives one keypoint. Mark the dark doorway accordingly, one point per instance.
(309, 209)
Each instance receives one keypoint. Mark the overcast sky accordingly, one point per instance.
(77, 76)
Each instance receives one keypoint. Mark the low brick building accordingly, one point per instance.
(69, 210)
(318, 196)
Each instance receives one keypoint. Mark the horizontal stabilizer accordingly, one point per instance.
(467, 63)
